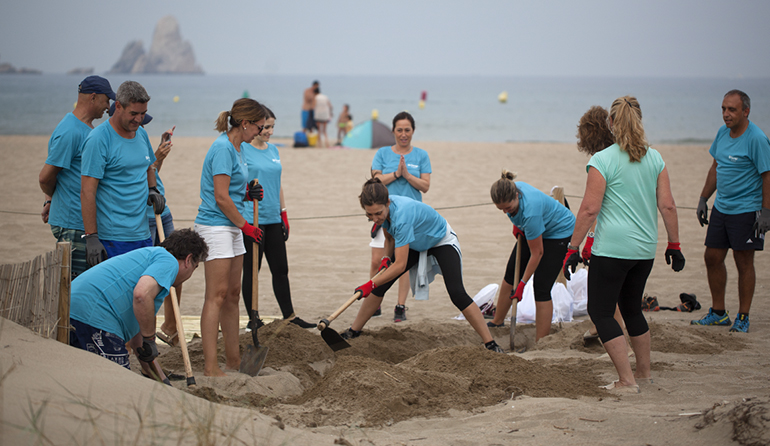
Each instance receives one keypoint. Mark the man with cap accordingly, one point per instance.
(60, 177)
(117, 179)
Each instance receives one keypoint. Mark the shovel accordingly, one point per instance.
(254, 357)
(177, 317)
(331, 337)
(516, 277)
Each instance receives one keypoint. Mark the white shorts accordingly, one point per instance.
(224, 242)
(379, 239)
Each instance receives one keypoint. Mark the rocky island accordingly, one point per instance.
(168, 54)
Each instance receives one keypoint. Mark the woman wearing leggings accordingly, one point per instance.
(264, 164)
(412, 227)
(626, 183)
(547, 227)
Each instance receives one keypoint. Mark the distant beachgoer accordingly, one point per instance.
(626, 182)
(412, 228)
(547, 226)
(114, 303)
(322, 114)
(264, 163)
(223, 188)
(342, 123)
(740, 174)
(60, 176)
(308, 106)
(118, 180)
(405, 170)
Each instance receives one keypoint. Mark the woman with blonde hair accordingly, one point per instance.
(224, 185)
(626, 183)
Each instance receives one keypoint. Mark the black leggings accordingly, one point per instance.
(617, 281)
(274, 248)
(451, 269)
(547, 270)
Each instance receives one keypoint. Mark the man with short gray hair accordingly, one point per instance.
(117, 179)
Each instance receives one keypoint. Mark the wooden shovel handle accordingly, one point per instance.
(357, 295)
(255, 261)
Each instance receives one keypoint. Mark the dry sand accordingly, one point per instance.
(425, 381)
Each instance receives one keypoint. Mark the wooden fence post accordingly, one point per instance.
(63, 252)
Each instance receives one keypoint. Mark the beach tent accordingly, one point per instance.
(371, 134)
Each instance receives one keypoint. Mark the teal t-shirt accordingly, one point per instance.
(417, 163)
(740, 164)
(121, 165)
(414, 223)
(162, 190)
(103, 296)
(264, 165)
(221, 159)
(627, 224)
(539, 214)
(64, 150)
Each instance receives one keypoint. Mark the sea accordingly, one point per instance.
(456, 108)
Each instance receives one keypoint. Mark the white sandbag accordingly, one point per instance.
(578, 287)
(525, 311)
(484, 299)
(562, 303)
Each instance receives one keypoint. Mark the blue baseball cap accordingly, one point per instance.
(147, 117)
(98, 85)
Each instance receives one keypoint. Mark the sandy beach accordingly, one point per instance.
(424, 381)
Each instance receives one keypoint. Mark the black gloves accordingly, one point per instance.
(156, 200)
(703, 211)
(95, 252)
(674, 252)
(148, 351)
(254, 191)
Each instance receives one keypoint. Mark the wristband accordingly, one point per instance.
(572, 248)
(46, 202)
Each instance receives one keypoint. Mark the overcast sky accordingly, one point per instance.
(397, 37)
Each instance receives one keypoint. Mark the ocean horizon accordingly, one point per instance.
(458, 108)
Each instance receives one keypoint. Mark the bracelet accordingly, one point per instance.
(590, 234)
(395, 176)
(46, 202)
(573, 248)
(283, 209)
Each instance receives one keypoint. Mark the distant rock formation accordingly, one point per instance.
(168, 53)
(6, 68)
(82, 71)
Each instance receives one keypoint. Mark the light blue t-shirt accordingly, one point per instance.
(539, 214)
(414, 223)
(417, 163)
(264, 165)
(64, 149)
(221, 159)
(103, 296)
(162, 190)
(121, 165)
(627, 224)
(740, 164)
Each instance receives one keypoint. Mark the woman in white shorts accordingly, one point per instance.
(224, 185)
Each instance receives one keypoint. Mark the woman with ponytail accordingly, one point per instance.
(626, 183)
(546, 226)
(223, 188)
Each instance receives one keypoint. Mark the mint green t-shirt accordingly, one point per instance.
(627, 225)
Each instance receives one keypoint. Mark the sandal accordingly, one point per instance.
(170, 340)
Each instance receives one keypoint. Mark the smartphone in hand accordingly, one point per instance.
(167, 135)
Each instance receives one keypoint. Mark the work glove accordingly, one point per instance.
(252, 232)
(518, 293)
(365, 289)
(384, 263)
(148, 351)
(571, 260)
(762, 224)
(586, 253)
(95, 252)
(673, 251)
(517, 232)
(703, 211)
(254, 191)
(285, 225)
(156, 200)
(375, 228)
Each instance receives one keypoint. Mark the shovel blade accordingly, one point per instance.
(253, 359)
(333, 339)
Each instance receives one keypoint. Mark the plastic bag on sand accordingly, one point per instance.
(578, 287)
(484, 299)
(562, 304)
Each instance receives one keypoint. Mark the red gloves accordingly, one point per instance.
(366, 289)
(674, 252)
(518, 294)
(517, 232)
(254, 191)
(384, 263)
(285, 225)
(252, 232)
(586, 254)
(571, 260)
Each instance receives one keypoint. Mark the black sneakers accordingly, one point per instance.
(399, 314)
(350, 333)
(302, 324)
